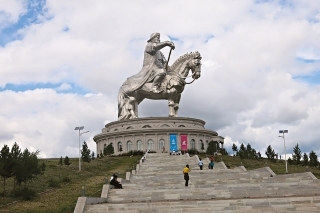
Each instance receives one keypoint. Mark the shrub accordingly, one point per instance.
(25, 193)
(66, 179)
(54, 183)
(223, 151)
(192, 151)
(136, 152)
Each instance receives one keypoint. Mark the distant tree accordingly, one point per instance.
(212, 148)
(234, 148)
(66, 161)
(101, 154)
(92, 155)
(109, 150)
(6, 165)
(60, 161)
(270, 153)
(251, 153)
(242, 153)
(43, 167)
(313, 159)
(259, 155)
(23, 166)
(105, 150)
(28, 166)
(290, 161)
(296, 156)
(85, 153)
(16, 155)
(305, 159)
(223, 151)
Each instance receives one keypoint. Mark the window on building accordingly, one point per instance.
(181, 126)
(146, 126)
(161, 144)
(129, 146)
(120, 148)
(129, 127)
(193, 144)
(139, 145)
(150, 144)
(200, 144)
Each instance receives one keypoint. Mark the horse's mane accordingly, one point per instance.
(185, 57)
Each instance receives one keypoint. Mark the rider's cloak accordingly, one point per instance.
(153, 64)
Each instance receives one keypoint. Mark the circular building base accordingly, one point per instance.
(160, 134)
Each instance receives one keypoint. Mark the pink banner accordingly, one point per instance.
(184, 142)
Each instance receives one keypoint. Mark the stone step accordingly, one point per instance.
(158, 186)
(287, 205)
(220, 191)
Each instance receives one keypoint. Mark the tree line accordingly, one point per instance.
(297, 157)
(23, 166)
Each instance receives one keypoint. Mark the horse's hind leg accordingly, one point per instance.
(131, 106)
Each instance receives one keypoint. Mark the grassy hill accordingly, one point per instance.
(60, 186)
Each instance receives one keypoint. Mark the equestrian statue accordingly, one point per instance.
(157, 80)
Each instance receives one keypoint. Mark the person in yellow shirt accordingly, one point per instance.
(186, 171)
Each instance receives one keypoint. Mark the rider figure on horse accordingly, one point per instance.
(153, 69)
(154, 62)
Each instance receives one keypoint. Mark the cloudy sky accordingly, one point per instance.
(62, 63)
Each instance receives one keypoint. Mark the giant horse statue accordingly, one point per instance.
(171, 86)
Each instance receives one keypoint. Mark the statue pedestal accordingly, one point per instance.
(159, 134)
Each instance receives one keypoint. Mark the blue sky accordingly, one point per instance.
(10, 32)
(62, 63)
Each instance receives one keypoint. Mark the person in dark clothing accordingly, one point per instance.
(185, 172)
(211, 165)
(115, 182)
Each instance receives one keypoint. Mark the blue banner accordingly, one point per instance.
(173, 142)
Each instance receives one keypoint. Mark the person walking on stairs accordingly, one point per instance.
(211, 164)
(185, 172)
(200, 163)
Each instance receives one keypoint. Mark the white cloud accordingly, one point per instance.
(246, 91)
(10, 11)
(64, 87)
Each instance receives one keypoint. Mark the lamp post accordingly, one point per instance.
(284, 142)
(80, 133)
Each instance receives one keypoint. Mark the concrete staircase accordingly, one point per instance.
(158, 186)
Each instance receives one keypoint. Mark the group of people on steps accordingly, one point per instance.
(186, 170)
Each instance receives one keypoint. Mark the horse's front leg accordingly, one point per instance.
(171, 103)
(171, 107)
(176, 103)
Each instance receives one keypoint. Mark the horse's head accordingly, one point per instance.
(195, 65)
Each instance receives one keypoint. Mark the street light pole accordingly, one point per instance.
(80, 128)
(284, 142)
